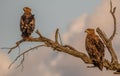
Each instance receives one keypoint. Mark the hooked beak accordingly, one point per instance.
(85, 31)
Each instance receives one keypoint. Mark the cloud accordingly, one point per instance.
(76, 27)
(40, 62)
(75, 34)
(4, 63)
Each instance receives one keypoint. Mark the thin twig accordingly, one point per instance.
(18, 50)
(56, 35)
(60, 39)
(17, 44)
(39, 33)
(112, 11)
(21, 63)
(23, 54)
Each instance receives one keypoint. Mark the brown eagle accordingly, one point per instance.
(95, 48)
(27, 23)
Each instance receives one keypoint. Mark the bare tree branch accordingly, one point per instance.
(56, 35)
(60, 48)
(108, 42)
(17, 45)
(23, 54)
(108, 45)
(112, 11)
(21, 63)
(14, 47)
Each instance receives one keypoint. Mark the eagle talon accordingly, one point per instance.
(30, 37)
(116, 72)
(91, 66)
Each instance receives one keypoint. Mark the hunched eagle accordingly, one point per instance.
(95, 48)
(27, 23)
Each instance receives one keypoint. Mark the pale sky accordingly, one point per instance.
(49, 14)
(72, 17)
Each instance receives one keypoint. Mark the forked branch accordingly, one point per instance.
(108, 41)
(112, 11)
(23, 54)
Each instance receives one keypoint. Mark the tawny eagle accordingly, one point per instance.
(27, 23)
(95, 48)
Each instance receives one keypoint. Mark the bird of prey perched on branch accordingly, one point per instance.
(95, 48)
(27, 23)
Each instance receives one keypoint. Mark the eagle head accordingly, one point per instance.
(90, 31)
(27, 10)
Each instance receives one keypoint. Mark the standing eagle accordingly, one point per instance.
(95, 48)
(27, 23)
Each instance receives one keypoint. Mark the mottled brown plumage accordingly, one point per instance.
(95, 48)
(27, 23)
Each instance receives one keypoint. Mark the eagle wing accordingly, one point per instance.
(32, 23)
(99, 45)
(28, 24)
(21, 24)
(91, 47)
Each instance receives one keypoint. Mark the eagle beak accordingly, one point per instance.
(86, 31)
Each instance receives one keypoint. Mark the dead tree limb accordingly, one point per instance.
(17, 45)
(23, 54)
(56, 35)
(108, 41)
(112, 11)
(53, 44)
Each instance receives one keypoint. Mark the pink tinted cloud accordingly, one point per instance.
(4, 63)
